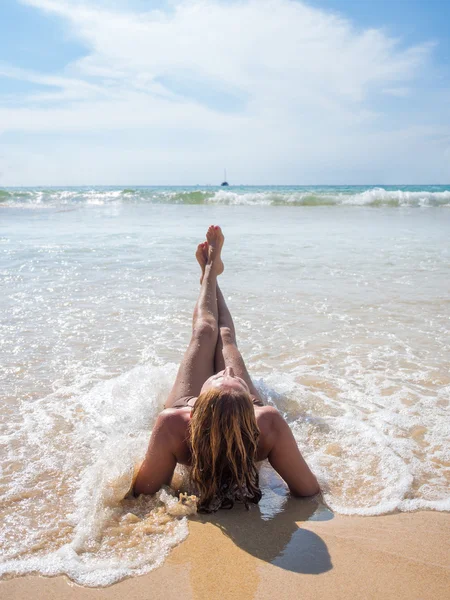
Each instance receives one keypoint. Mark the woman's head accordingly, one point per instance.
(224, 437)
(225, 380)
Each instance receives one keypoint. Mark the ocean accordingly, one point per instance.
(341, 300)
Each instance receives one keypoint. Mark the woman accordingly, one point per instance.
(214, 419)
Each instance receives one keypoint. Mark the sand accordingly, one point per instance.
(242, 556)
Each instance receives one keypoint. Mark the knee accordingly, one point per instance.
(205, 330)
(227, 336)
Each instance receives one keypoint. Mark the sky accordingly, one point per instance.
(142, 92)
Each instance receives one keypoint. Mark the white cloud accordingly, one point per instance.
(301, 83)
(399, 92)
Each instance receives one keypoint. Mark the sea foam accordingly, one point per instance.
(71, 463)
(66, 511)
(428, 196)
(342, 316)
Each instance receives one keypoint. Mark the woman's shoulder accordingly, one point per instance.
(174, 420)
(266, 419)
(266, 413)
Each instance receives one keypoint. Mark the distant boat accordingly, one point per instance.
(224, 182)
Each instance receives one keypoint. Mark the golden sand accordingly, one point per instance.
(237, 555)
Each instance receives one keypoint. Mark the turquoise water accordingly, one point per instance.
(342, 311)
(432, 195)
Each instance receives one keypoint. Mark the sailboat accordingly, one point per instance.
(224, 182)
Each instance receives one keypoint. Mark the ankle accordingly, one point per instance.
(210, 271)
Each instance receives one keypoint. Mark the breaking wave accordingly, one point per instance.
(406, 196)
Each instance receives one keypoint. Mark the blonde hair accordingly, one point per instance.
(224, 438)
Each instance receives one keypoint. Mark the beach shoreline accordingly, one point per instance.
(401, 556)
(342, 315)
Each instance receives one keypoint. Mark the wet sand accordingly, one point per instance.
(305, 552)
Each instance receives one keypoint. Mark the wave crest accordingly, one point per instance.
(429, 196)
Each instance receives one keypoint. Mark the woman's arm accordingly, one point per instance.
(160, 460)
(286, 459)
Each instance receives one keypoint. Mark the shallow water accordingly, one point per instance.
(342, 312)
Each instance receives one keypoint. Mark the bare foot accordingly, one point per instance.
(215, 239)
(202, 257)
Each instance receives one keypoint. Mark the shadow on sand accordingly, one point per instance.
(272, 531)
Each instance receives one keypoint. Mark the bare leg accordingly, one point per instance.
(198, 362)
(227, 353)
(227, 332)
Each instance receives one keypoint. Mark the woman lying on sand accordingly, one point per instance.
(214, 419)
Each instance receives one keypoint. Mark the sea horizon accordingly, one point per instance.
(250, 185)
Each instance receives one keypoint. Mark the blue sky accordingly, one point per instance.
(278, 91)
(414, 20)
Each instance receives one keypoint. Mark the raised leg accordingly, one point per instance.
(227, 331)
(198, 362)
(227, 353)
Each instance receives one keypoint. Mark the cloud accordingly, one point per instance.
(272, 81)
(399, 92)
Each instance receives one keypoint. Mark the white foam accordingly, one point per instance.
(397, 198)
(289, 196)
(90, 443)
(370, 197)
(348, 336)
(369, 460)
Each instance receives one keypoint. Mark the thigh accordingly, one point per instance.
(195, 368)
(233, 358)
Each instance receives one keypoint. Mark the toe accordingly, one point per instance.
(218, 234)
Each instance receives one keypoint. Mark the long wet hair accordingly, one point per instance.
(223, 439)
